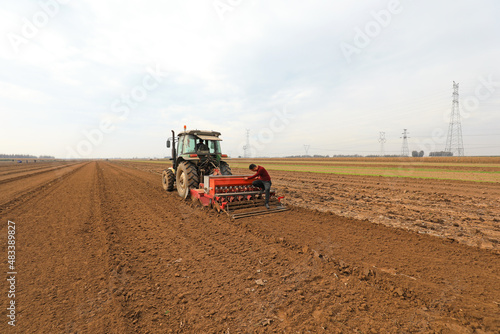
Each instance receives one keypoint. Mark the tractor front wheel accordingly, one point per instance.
(168, 179)
(186, 178)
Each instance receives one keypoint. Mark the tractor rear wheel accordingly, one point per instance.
(225, 169)
(187, 178)
(168, 179)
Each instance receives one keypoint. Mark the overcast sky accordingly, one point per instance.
(95, 79)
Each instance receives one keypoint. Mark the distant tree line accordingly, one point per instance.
(308, 156)
(418, 154)
(25, 156)
(441, 154)
(384, 156)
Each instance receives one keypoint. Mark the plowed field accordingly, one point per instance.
(102, 248)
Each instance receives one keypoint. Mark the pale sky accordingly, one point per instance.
(98, 79)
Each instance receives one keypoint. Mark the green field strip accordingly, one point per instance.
(364, 162)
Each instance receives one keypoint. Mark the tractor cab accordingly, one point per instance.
(196, 143)
(196, 146)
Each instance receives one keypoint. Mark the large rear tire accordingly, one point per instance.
(186, 178)
(168, 179)
(225, 169)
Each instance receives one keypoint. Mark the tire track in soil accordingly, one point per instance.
(218, 269)
(311, 288)
(26, 186)
(7, 168)
(219, 250)
(29, 172)
(62, 259)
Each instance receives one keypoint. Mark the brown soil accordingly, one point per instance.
(468, 212)
(101, 248)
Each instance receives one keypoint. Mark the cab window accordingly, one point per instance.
(214, 146)
(180, 145)
(189, 144)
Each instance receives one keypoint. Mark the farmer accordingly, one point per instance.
(201, 146)
(263, 182)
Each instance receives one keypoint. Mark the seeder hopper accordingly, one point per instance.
(198, 172)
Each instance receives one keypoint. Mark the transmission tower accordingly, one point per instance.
(405, 151)
(454, 141)
(246, 148)
(306, 147)
(382, 141)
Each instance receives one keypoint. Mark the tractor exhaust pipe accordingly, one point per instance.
(174, 153)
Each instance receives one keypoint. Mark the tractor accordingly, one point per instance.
(198, 172)
(198, 154)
